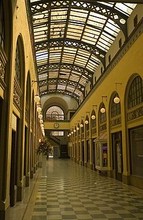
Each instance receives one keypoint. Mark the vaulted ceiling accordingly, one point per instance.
(71, 39)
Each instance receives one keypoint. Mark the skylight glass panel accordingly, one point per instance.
(125, 8)
(83, 81)
(42, 77)
(63, 76)
(51, 87)
(75, 27)
(74, 78)
(53, 74)
(81, 59)
(61, 87)
(43, 88)
(103, 45)
(70, 50)
(78, 92)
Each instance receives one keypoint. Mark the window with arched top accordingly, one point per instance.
(55, 113)
(93, 122)
(2, 31)
(19, 72)
(135, 94)
(115, 107)
(18, 64)
(102, 118)
(102, 113)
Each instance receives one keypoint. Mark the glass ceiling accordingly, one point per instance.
(71, 39)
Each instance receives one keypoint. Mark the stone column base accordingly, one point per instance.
(20, 193)
(2, 211)
(40, 164)
(126, 179)
(2, 214)
(31, 174)
(27, 180)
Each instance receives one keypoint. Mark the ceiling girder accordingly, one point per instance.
(53, 66)
(74, 44)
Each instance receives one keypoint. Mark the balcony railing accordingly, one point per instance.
(3, 61)
(17, 93)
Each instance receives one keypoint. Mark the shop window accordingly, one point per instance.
(136, 143)
(135, 96)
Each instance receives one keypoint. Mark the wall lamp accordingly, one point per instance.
(86, 120)
(37, 98)
(116, 98)
(39, 109)
(77, 128)
(103, 110)
(93, 116)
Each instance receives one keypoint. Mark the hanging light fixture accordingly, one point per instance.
(37, 98)
(116, 99)
(86, 122)
(102, 110)
(81, 125)
(39, 109)
(41, 121)
(93, 117)
(40, 116)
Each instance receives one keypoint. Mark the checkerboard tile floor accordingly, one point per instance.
(68, 191)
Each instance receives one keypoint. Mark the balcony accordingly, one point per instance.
(3, 61)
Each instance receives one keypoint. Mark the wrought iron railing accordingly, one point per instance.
(3, 60)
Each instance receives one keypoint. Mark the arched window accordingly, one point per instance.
(115, 107)
(55, 113)
(2, 33)
(19, 72)
(135, 95)
(102, 115)
(18, 64)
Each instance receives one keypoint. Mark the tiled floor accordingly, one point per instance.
(69, 191)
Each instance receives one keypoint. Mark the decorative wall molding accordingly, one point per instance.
(3, 61)
(115, 121)
(137, 113)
